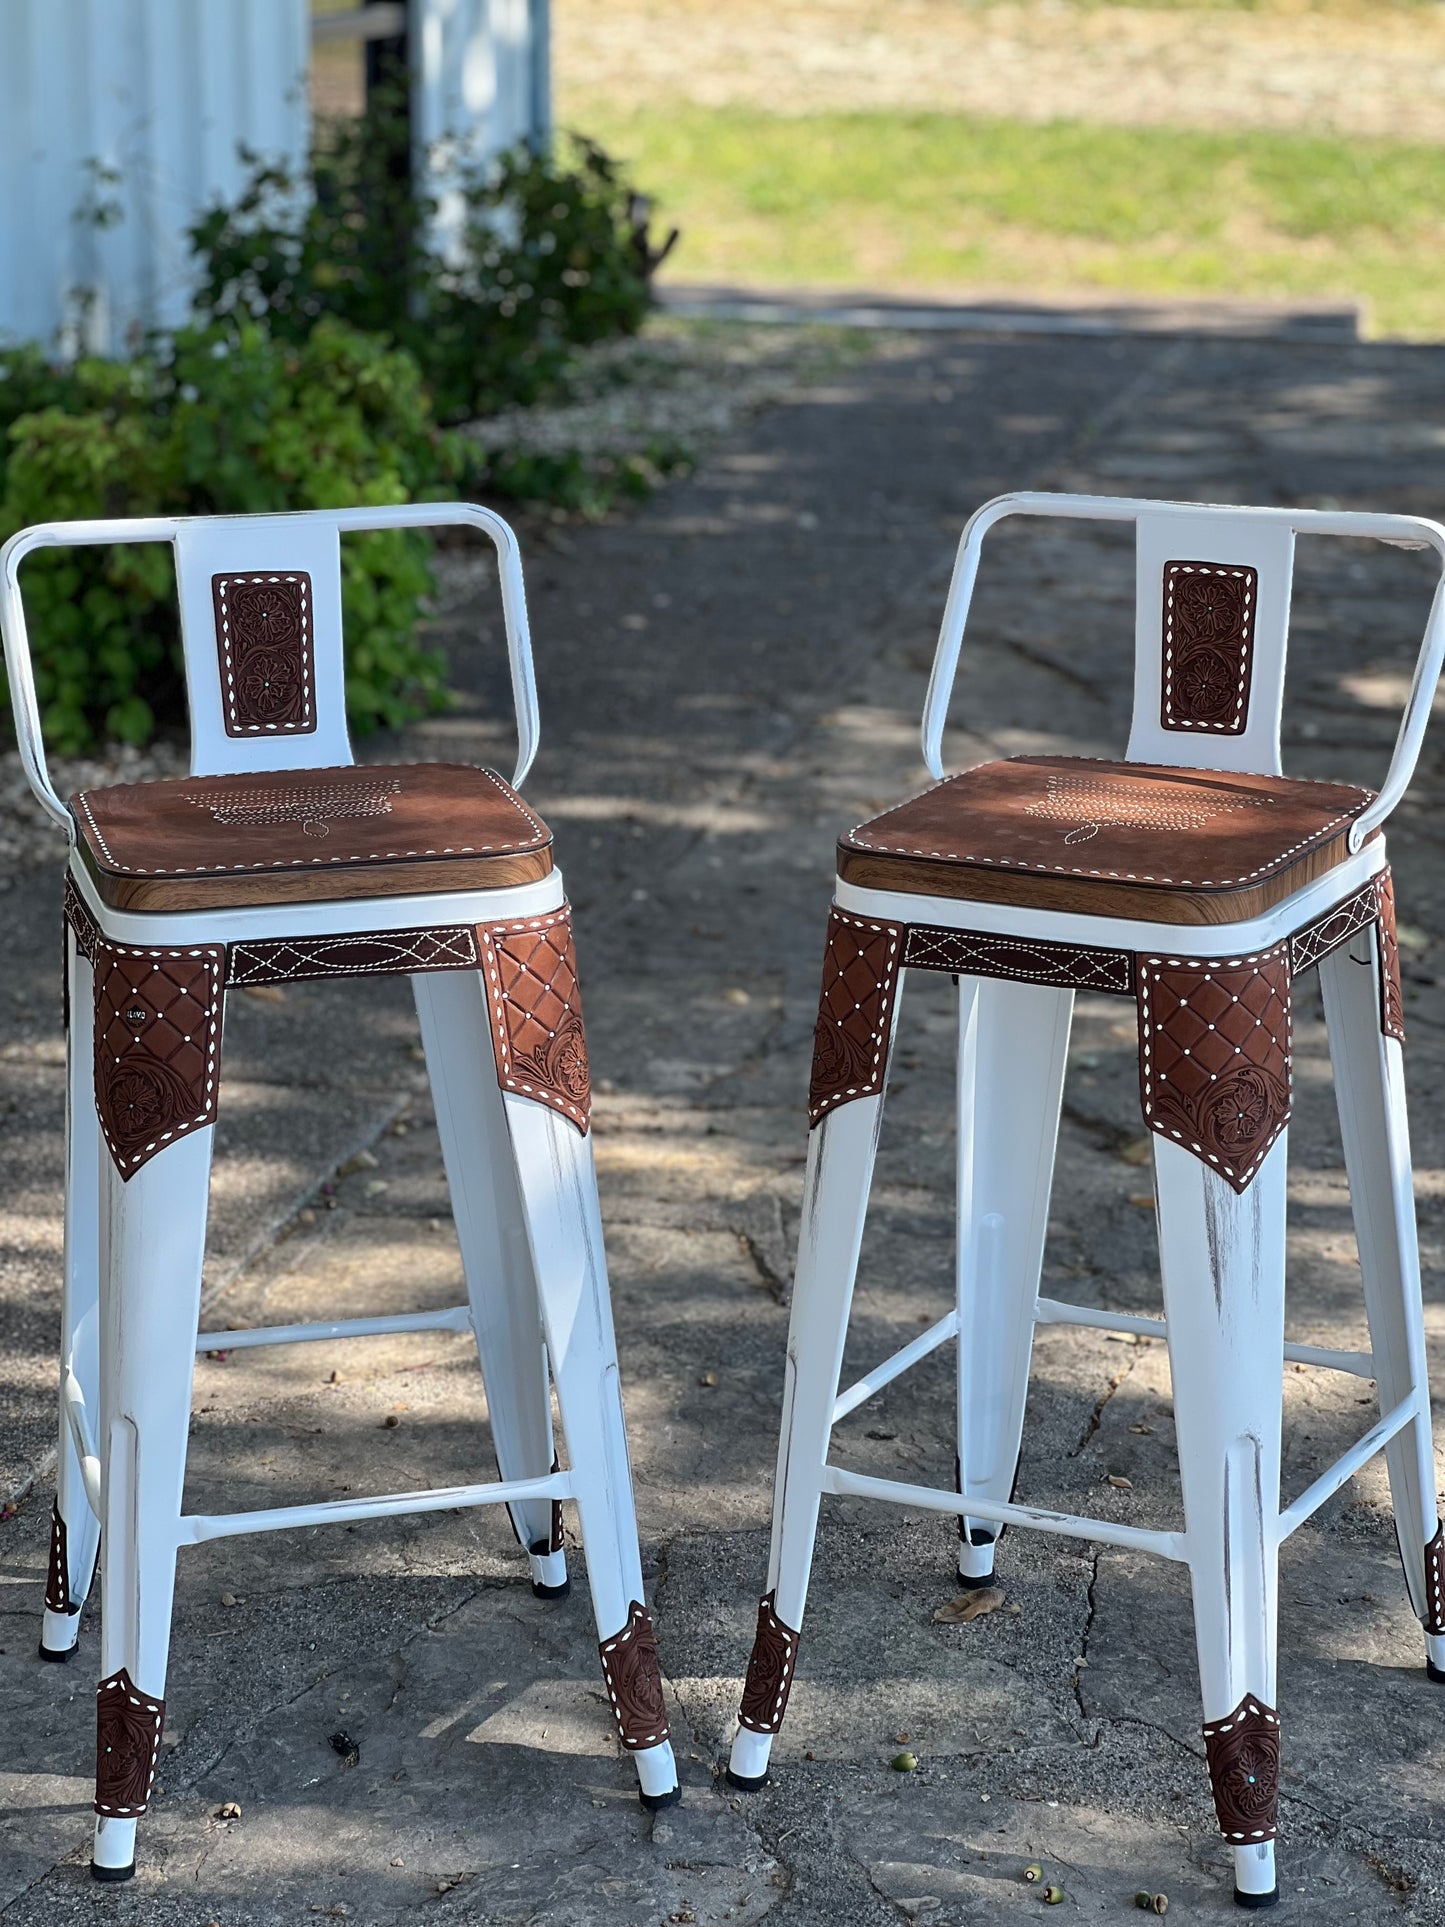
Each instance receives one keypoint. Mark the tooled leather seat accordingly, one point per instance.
(1108, 839)
(308, 835)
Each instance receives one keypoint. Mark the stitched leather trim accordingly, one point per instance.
(1392, 1001)
(979, 954)
(536, 1012)
(634, 1681)
(1435, 1583)
(1243, 1754)
(1312, 945)
(855, 1011)
(57, 1578)
(1214, 1055)
(770, 1671)
(77, 915)
(283, 960)
(267, 659)
(1208, 646)
(128, 1727)
(157, 1039)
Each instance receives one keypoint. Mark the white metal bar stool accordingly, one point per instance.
(278, 859)
(1196, 879)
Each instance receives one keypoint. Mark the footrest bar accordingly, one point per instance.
(1364, 1449)
(884, 1374)
(1168, 1545)
(456, 1318)
(1053, 1311)
(194, 1527)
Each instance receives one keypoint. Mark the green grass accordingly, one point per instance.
(939, 200)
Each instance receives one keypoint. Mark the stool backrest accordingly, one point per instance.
(1211, 629)
(260, 606)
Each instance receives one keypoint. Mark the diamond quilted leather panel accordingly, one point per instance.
(1214, 1055)
(855, 1010)
(157, 1039)
(536, 1011)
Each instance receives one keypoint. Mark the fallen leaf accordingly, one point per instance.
(1145, 1431)
(265, 993)
(1138, 1150)
(228, 1810)
(1121, 1484)
(970, 1605)
(1144, 1199)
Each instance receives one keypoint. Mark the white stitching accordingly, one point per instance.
(498, 1000)
(1246, 640)
(214, 956)
(238, 728)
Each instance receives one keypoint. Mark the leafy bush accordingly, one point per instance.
(216, 421)
(551, 252)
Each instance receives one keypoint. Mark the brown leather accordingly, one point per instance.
(1243, 1754)
(1317, 940)
(536, 1011)
(1392, 1000)
(1209, 610)
(976, 953)
(1435, 1583)
(855, 1011)
(1214, 1055)
(284, 960)
(203, 842)
(127, 1744)
(157, 1040)
(634, 1681)
(77, 915)
(266, 653)
(57, 1578)
(1124, 839)
(770, 1671)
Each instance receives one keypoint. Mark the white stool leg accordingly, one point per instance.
(152, 1240)
(492, 1232)
(1013, 1042)
(75, 1530)
(564, 1228)
(841, 1150)
(1370, 1092)
(1222, 1255)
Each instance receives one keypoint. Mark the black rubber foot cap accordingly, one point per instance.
(975, 1582)
(109, 1875)
(1432, 1671)
(539, 1591)
(57, 1655)
(658, 1802)
(743, 1783)
(1254, 1902)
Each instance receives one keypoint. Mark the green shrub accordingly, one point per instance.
(216, 420)
(552, 252)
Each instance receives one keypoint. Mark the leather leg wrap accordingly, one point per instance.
(1392, 998)
(57, 1578)
(1435, 1583)
(770, 1671)
(855, 1011)
(535, 1007)
(127, 1744)
(157, 1046)
(1243, 1754)
(634, 1681)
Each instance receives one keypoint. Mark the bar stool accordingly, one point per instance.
(277, 860)
(1196, 879)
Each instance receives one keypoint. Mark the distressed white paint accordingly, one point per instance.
(162, 92)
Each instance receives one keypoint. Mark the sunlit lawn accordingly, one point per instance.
(940, 201)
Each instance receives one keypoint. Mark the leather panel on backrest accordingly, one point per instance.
(1211, 628)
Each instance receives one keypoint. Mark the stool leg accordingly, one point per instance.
(1222, 1256)
(152, 1240)
(558, 1188)
(1013, 1042)
(492, 1232)
(1370, 1092)
(841, 1151)
(75, 1530)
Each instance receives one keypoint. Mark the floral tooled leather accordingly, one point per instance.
(267, 659)
(1214, 1055)
(634, 1681)
(1392, 1000)
(1243, 1754)
(127, 1743)
(157, 1040)
(1208, 646)
(536, 1012)
(770, 1671)
(855, 1011)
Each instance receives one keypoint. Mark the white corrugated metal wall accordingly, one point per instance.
(162, 92)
